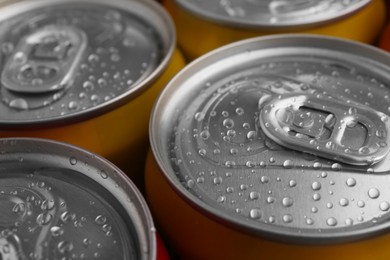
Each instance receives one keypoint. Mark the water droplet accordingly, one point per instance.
(19, 103)
(373, 193)
(336, 166)
(309, 221)
(65, 247)
(67, 217)
(47, 205)
(103, 174)
(381, 133)
(272, 160)
(331, 222)
(270, 200)
(384, 206)
(271, 219)
(316, 185)
(288, 164)
(349, 222)
(251, 135)
(292, 183)
(287, 201)
(100, 220)
(287, 218)
(351, 182)
(314, 209)
(190, 183)
(364, 150)
(240, 111)
(102, 82)
(19, 208)
(344, 202)
(205, 134)
(88, 86)
(361, 204)
(228, 123)
(324, 174)
(329, 205)
(255, 213)
(253, 195)
(44, 218)
(93, 58)
(264, 179)
(217, 180)
(56, 231)
(72, 160)
(86, 242)
(316, 196)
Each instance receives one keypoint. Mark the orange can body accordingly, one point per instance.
(119, 134)
(385, 39)
(197, 36)
(224, 242)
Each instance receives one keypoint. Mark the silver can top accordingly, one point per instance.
(272, 13)
(70, 59)
(284, 136)
(61, 202)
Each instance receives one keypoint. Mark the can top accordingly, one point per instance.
(272, 13)
(283, 136)
(69, 60)
(58, 201)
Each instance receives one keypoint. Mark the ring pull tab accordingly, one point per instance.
(45, 60)
(349, 133)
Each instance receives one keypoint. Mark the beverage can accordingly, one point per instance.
(62, 202)
(203, 25)
(275, 147)
(87, 73)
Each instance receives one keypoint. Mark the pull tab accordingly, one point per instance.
(45, 60)
(349, 133)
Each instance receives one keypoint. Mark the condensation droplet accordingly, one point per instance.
(384, 206)
(316, 185)
(72, 160)
(264, 179)
(349, 222)
(253, 195)
(373, 193)
(103, 174)
(292, 183)
(361, 204)
(316, 196)
(47, 205)
(44, 218)
(287, 201)
(344, 202)
(56, 231)
(100, 220)
(65, 247)
(288, 164)
(331, 222)
(287, 218)
(255, 213)
(351, 182)
(336, 166)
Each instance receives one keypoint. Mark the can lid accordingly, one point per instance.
(284, 136)
(69, 60)
(272, 13)
(58, 201)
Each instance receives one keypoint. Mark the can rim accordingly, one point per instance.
(276, 233)
(141, 8)
(240, 23)
(143, 220)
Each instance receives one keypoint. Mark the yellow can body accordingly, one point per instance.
(197, 36)
(120, 135)
(206, 238)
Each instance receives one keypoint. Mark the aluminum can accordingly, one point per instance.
(87, 73)
(62, 202)
(206, 24)
(275, 147)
